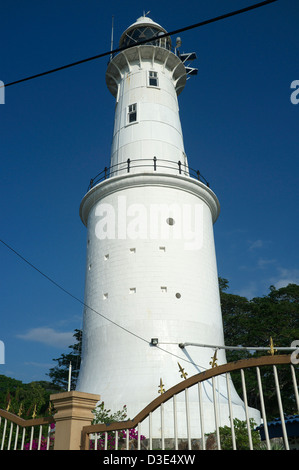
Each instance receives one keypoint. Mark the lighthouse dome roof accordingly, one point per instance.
(144, 28)
(145, 20)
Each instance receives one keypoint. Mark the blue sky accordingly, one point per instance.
(240, 130)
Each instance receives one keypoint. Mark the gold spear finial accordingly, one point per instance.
(213, 362)
(161, 389)
(183, 373)
(272, 351)
(34, 412)
(20, 412)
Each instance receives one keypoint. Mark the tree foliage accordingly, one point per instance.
(60, 373)
(252, 323)
(27, 399)
(104, 416)
(241, 436)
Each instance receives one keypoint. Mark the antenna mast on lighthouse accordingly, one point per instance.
(112, 32)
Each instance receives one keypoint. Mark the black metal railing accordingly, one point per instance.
(154, 163)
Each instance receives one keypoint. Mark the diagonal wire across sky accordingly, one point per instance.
(114, 51)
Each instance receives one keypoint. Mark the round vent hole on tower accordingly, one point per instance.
(178, 295)
(170, 221)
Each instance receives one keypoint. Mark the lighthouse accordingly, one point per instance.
(151, 272)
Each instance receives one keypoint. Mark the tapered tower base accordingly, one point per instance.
(151, 273)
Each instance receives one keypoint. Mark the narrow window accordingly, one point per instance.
(132, 113)
(153, 78)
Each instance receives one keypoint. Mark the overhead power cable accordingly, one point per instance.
(90, 308)
(66, 291)
(177, 31)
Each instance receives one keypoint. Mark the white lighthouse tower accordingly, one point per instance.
(151, 273)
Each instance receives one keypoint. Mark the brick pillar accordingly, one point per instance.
(73, 410)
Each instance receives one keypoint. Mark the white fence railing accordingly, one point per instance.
(139, 433)
(171, 422)
(19, 434)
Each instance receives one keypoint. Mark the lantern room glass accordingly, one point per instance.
(136, 35)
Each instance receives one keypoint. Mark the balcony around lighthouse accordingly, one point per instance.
(154, 165)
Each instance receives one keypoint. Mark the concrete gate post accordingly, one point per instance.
(73, 410)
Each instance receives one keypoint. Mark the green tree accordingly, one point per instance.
(60, 373)
(104, 416)
(29, 398)
(253, 323)
(241, 436)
